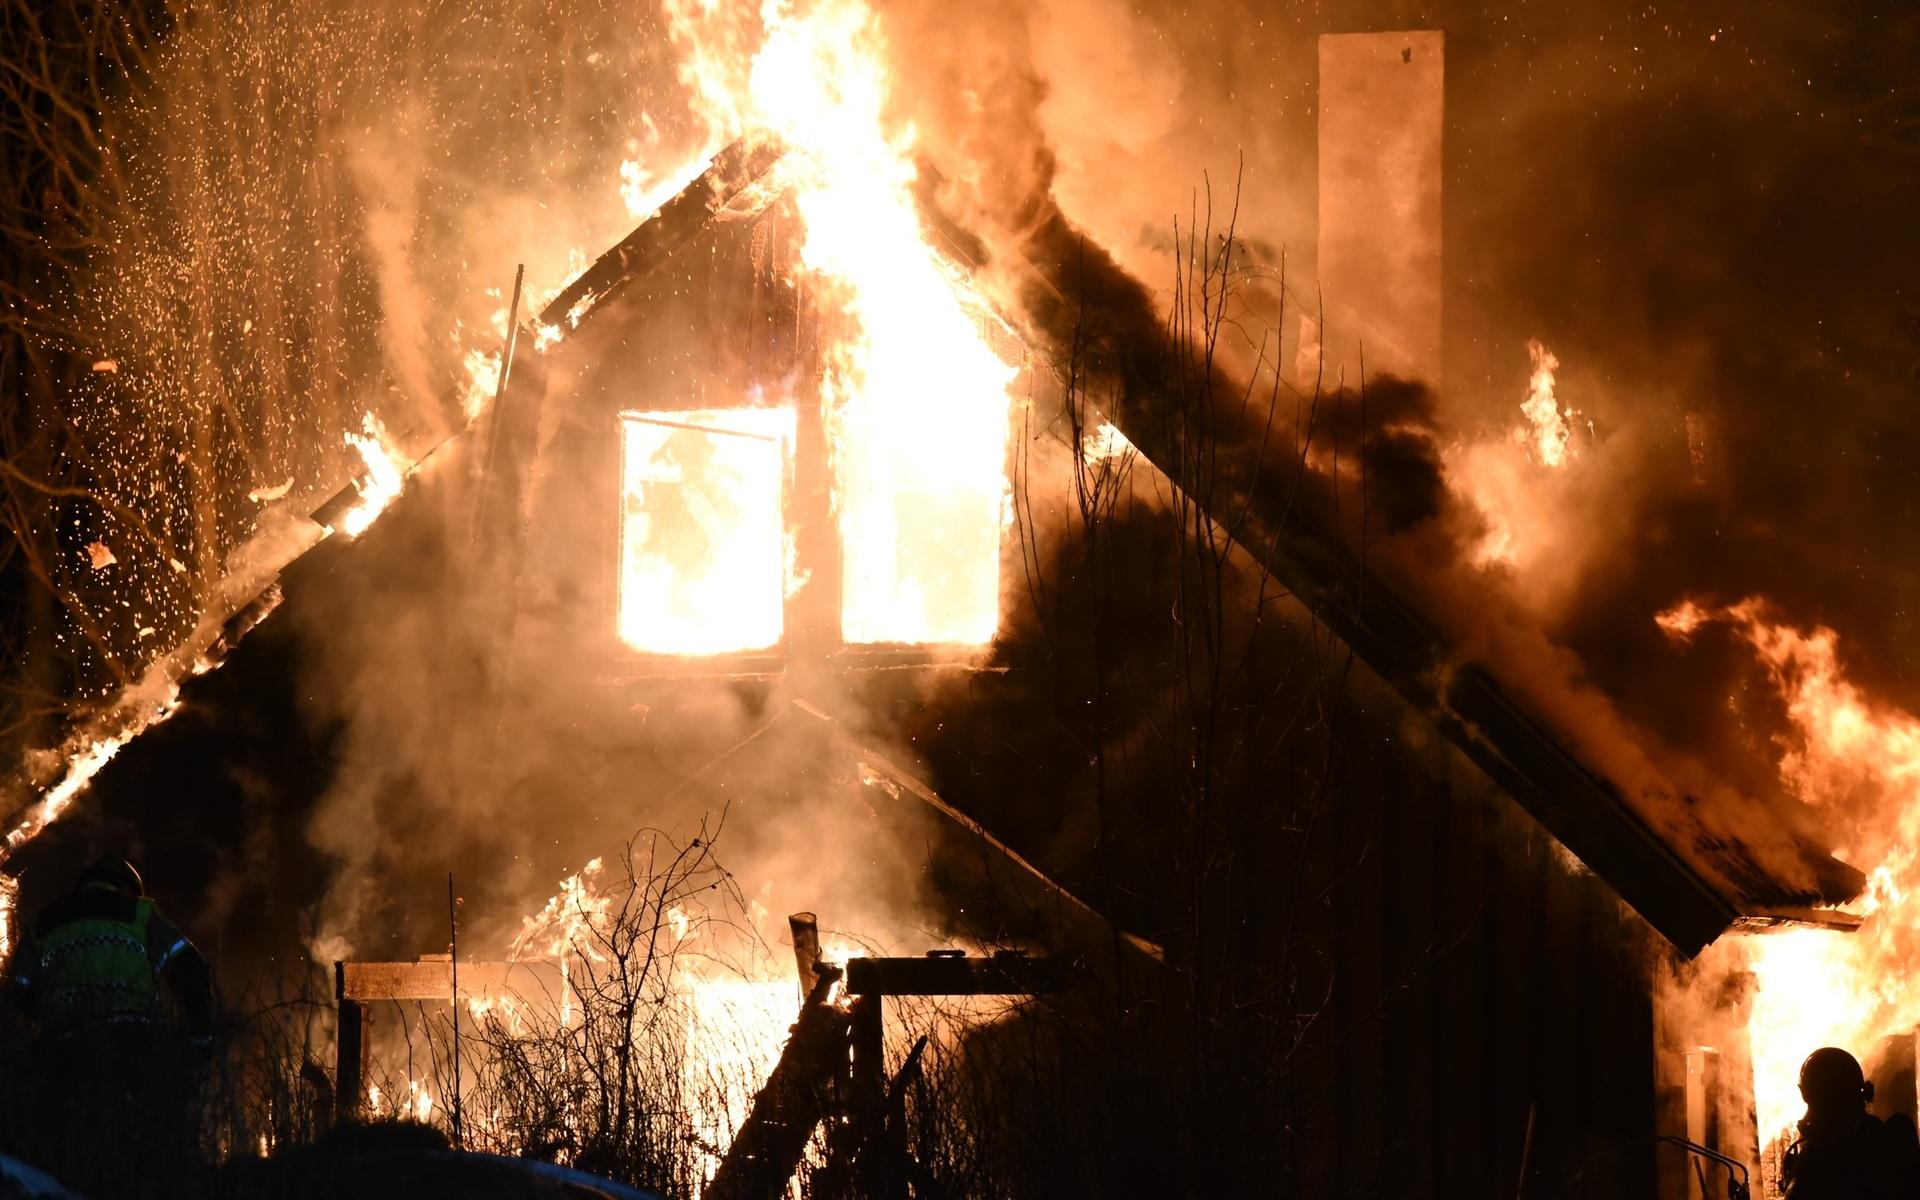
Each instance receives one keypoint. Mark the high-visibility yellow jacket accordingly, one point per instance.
(101, 956)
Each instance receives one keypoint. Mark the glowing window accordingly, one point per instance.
(703, 529)
(921, 550)
(922, 486)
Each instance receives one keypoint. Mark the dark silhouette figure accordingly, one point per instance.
(1905, 1140)
(1843, 1151)
(122, 1004)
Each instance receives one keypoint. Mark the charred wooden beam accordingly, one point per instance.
(952, 974)
(805, 928)
(733, 171)
(883, 1163)
(350, 1051)
(797, 1096)
(898, 776)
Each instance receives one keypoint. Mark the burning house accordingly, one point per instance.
(993, 596)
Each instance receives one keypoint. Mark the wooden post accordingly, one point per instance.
(869, 1057)
(350, 1059)
(805, 928)
(1703, 1108)
(1524, 1188)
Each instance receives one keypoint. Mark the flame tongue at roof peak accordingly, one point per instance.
(915, 396)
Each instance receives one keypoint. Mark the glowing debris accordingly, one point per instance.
(383, 477)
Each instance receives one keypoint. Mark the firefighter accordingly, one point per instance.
(124, 1009)
(1843, 1150)
(103, 957)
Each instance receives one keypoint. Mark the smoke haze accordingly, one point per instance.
(1702, 213)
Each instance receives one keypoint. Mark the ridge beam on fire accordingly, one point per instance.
(1768, 920)
(730, 175)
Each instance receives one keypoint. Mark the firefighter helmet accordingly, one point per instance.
(1830, 1079)
(115, 873)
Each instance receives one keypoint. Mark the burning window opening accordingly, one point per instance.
(921, 562)
(703, 529)
(921, 472)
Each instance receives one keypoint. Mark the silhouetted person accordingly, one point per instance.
(1905, 1142)
(124, 1012)
(1843, 1152)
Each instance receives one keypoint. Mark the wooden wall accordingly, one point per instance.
(1481, 979)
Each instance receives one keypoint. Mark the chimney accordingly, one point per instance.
(1382, 109)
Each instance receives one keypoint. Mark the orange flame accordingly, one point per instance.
(384, 475)
(1552, 433)
(917, 400)
(1860, 760)
(1514, 479)
(702, 536)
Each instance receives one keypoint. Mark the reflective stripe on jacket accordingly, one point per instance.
(98, 966)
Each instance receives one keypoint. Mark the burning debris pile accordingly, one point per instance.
(641, 1023)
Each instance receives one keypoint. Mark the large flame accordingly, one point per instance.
(1551, 436)
(915, 395)
(918, 397)
(1860, 760)
(732, 1019)
(1514, 478)
(383, 475)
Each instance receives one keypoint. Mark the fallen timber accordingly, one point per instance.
(798, 1095)
(833, 1070)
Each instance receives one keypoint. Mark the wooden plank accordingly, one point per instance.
(1509, 963)
(1563, 1075)
(999, 975)
(1313, 1080)
(1624, 950)
(350, 1052)
(1362, 988)
(1460, 1078)
(1415, 966)
(431, 979)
